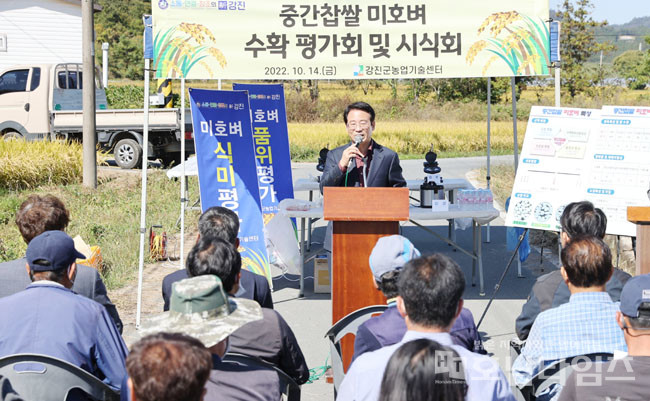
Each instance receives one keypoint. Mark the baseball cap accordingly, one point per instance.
(200, 307)
(391, 253)
(53, 250)
(635, 292)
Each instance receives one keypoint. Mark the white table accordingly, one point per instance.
(311, 185)
(479, 218)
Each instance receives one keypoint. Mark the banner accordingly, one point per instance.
(619, 167)
(552, 166)
(271, 144)
(336, 39)
(572, 155)
(223, 142)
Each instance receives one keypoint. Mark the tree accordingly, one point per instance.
(631, 65)
(577, 44)
(120, 25)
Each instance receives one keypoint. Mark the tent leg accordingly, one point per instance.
(489, 118)
(184, 191)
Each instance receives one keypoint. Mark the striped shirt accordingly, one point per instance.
(584, 325)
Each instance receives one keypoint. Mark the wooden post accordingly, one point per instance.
(641, 217)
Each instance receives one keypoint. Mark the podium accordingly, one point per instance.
(360, 217)
(640, 216)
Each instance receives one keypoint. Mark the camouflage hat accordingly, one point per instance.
(199, 307)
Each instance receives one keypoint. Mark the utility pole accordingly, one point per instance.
(89, 136)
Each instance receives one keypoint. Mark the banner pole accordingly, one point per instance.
(143, 205)
(489, 117)
(514, 121)
(184, 192)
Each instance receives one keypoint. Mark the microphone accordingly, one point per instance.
(357, 140)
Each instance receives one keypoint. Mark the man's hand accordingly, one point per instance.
(349, 153)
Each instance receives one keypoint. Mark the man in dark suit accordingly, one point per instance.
(223, 223)
(363, 162)
(35, 216)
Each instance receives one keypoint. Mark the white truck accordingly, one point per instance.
(44, 101)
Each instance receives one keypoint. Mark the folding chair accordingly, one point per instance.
(555, 374)
(45, 378)
(348, 324)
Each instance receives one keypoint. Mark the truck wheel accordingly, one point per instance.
(11, 135)
(128, 153)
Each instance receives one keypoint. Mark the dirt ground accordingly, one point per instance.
(126, 298)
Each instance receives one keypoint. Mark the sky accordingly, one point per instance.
(614, 11)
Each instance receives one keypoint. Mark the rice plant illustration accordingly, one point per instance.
(515, 39)
(254, 262)
(181, 47)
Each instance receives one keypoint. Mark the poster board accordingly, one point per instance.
(572, 154)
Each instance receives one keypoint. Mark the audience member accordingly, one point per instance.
(270, 339)
(35, 216)
(201, 308)
(168, 367)
(584, 325)
(221, 222)
(430, 299)
(423, 370)
(386, 261)
(550, 290)
(620, 379)
(48, 318)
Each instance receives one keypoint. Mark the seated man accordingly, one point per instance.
(48, 318)
(221, 222)
(168, 367)
(430, 299)
(201, 308)
(620, 379)
(270, 339)
(584, 325)
(35, 216)
(550, 290)
(387, 259)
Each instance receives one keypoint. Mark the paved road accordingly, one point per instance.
(310, 317)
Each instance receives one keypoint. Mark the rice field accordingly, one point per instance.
(410, 139)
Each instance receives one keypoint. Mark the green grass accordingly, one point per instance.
(108, 217)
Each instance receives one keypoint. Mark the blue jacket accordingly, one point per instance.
(389, 328)
(49, 319)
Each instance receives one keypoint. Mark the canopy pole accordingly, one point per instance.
(184, 191)
(489, 117)
(143, 204)
(514, 121)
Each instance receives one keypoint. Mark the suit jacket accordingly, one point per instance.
(385, 170)
(389, 328)
(251, 286)
(14, 278)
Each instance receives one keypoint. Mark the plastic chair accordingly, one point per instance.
(348, 324)
(555, 374)
(45, 378)
(289, 388)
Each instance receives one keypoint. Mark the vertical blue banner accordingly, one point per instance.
(227, 170)
(271, 144)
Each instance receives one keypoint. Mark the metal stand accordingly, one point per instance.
(503, 275)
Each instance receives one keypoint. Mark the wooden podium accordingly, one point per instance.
(640, 216)
(360, 217)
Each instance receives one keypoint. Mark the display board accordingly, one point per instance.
(337, 39)
(572, 154)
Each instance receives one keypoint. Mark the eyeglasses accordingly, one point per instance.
(360, 124)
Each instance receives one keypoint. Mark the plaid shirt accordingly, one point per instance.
(584, 325)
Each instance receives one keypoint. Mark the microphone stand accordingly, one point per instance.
(503, 275)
